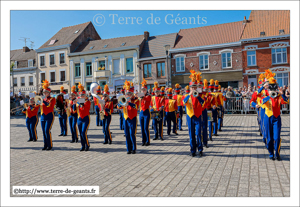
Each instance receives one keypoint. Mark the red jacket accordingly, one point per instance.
(170, 105)
(108, 107)
(272, 105)
(73, 109)
(48, 105)
(210, 101)
(32, 111)
(145, 102)
(84, 110)
(130, 111)
(157, 102)
(205, 99)
(195, 108)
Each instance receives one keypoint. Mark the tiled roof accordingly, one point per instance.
(15, 53)
(154, 47)
(66, 35)
(26, 55)
(110, 43)
(268, 21)
(210, 35)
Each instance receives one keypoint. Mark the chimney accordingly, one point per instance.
(262, 34)
(245, 20)
(26, 49)
(146, 35)
(281, 31)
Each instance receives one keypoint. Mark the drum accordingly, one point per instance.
(155, 115)
(209, 116)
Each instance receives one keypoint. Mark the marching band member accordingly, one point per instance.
(219, 97)
(62, 114)
(97, 109)
(145, 114)
(73, 115)
(194, 112)
(153, 94)
(204, 112)
(216, 111)
(157, 104)
(178, 98)
(32, 119)
(212, 124)
(121, 113)
(272, 119)
(187, 91)
(47, 116)
(162, 93)
(171, 109)
(108, 109)
(84, 118)
(130, 113)
(223, 98)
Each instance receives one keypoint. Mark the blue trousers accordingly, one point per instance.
(212, 125)
(158, 126)
(262, 125)
(195, 136)
(73, 126)
(31, 124)
(220, 119)
(144, 122)
(83, 126)
(171, 117)
(121, 120)
(46, 124)
(130, 133)
(63, 124)
(105, 128)
(258, 117)
(180, 109)
(204, 126)
(165, 120)
(97, 110)
(273, 129)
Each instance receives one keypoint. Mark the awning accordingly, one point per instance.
(224, 76)
(181, 79)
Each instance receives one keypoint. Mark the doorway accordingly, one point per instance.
(252, 80)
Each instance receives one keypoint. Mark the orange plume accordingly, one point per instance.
(205, 82)
(127, 85)
(106, 88)
(45, 84)
(216, 82)
(162, 88)
(193, 75)
(144, 82)
(198, 77)
(73, 88)
(61, 89)
(187, 88)
(211, 82)
(170, 90)
(80, 87)
(177, 85)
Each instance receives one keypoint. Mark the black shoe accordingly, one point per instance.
(110, 132)
(210, 139)
(164, 125)
(220, 130)
(175, 133)
(271, 158)
(133, 152)
(180, 129)
(278, 158)
(216, 135)
(109, 142)
(155, 138)
(60, 135)
(44, 148)
(76, 140)
(161, 139)
(259, 130)
(260, 134)
(169, 134)
(147, 144)
(206, 146)
(72, 142)
(128, 152)
(200, 154)
(82, 149)
(65, 135)
(105, 142)
(29, 140)
(143, 144)
(87, 149)
(152, 127)
(34, 140)
(49, 148)
(193, 154)
(97, 125)
(124, 135)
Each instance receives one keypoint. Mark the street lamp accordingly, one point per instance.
(167, 48)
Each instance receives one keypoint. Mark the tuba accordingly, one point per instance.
(122, 100)
(38, 100)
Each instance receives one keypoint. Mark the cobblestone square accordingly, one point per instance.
(235, 164)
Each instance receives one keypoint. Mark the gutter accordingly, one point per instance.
(103, 51)
(24, 69)
(265, 38)
(231, 44)
(212, 72)
(52, 48)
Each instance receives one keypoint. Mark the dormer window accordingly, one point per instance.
(105, 46)
(76, 31)
(92, 47)
(52, 42)
(123, 43)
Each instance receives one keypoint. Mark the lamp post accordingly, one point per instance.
(167, 48)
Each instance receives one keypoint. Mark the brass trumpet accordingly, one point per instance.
(195, 93)
(122, 100)
(38, 100)
(18, 108)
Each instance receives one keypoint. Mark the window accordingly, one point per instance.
(147, 70)
(16, 64)
(150, 86)
(52, 76)
(88, 86)
(160, 69)
(101, 65)
(77, 70)
(88, 67)
(31, 80)
(251, 58)
(203, 62)
(129, 65)
(279, 55)
(61, 58)
(62, 74)
(15, 82)
(282, 79)
(102, 83)
(43, 77)
(42, 60)
(30, 63)
(52, 61)
(117, 66)
(180, 64)
(226, 60)
(23, 81)
(52, 42)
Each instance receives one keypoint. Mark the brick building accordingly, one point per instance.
(153, 61)
(266, 45)
(214, 50)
